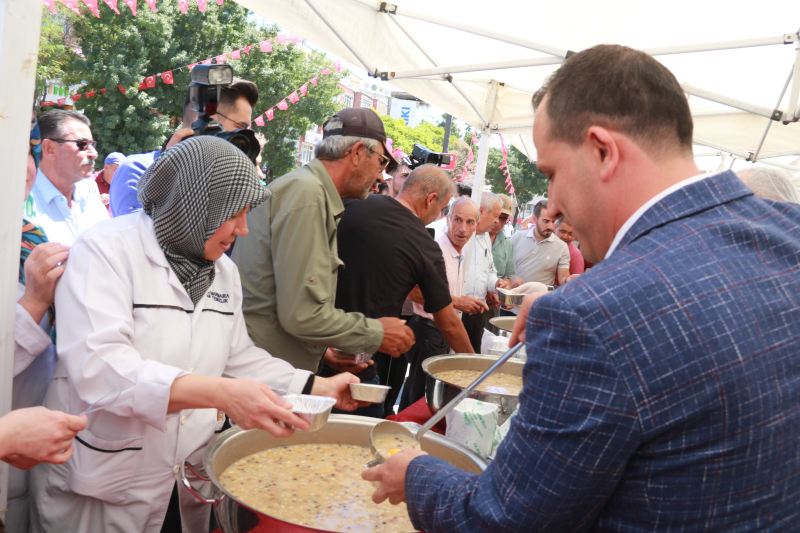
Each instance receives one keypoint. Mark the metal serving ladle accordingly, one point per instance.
(390, 428)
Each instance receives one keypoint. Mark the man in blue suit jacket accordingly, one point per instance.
(662, 388)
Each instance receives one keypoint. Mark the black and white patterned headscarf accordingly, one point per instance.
(189, 192)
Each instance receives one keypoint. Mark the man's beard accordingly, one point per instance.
(357, 185)
(546, 233)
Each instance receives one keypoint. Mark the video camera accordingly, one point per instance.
(204, 93)
(421, 155)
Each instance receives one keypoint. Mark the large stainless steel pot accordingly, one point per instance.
(235, 443)
(438, 393)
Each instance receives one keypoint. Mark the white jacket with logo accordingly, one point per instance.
(125, 323)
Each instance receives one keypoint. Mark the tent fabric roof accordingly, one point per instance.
(418, 37)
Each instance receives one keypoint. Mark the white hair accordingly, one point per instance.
(335, 146)
(488, 199)
(463, 200)
(769, 183)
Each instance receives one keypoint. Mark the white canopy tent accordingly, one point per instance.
(481, 61)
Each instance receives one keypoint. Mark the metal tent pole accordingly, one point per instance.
(480, 166)
(472, 67)
(20, 23)
(732, 102)
(794, 95)
(321, 14)
(715, 146)
(769, 122)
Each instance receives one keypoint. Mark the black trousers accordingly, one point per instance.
(474, 326)
(429, 342)
(391, 372)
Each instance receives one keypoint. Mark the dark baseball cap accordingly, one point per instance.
(361, 122)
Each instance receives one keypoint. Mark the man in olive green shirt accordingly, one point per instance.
(289, 259)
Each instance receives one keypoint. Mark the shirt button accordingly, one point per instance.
(183, 420)
(191, 370)
(175, 469)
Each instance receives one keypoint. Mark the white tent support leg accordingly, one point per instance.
(480, 165)
(19, 34)
(769, 123)
(371, 70)
(794, 95)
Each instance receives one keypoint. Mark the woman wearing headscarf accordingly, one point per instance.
(30, 433)
(150, 330)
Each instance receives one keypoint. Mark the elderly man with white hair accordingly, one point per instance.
(480, 279)
(769, 183)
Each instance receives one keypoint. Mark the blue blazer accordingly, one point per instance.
(662, 388)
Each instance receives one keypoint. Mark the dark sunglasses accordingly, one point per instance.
(82, 144)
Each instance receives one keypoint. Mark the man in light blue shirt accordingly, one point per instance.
(65, 202)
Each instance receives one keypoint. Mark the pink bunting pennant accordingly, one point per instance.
(76, 97)
(282, 105)
(45, 104)
(166, 77)
(184, 5)
(337, 65)
(92, 5)
(280, 39)
(246, 49)
(202, 5)
(103, 91)
(62, 101)
(314, 80)
(470, 156)
(131, 4)
(206, 61)
(90, 94)
(326, 72)
(295, 38)
(474, 138)
(113, 5)
(266, 46)
(121, 89)
(219, 2)
(236, 54)
(294, 98)
(221, 58)
(152, 4)
(259, 120)
(51, 4)
(190, 67)
(143, 85)
(73, 5)
(150, 81)
(270, 113)
(303, 89)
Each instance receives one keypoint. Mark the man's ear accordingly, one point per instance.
(49, 148)
(432, 198)
(604, 150)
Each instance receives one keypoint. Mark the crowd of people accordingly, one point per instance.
(173, 290)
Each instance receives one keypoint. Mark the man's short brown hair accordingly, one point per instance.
(620, 88)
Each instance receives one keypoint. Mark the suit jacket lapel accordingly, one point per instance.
(699, 196)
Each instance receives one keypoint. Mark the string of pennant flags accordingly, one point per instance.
(202, 5)
(504, 166)
(265, 46)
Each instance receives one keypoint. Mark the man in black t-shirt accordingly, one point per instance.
(387, 252)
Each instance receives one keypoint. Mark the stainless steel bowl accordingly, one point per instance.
(509, 298)
(505, 323)
(438, 393)
(236, 443)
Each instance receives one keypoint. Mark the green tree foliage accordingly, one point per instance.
(526, 178)
(404, 137)
(123, 49)
(55, 50)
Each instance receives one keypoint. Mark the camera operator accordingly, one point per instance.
(235, 110)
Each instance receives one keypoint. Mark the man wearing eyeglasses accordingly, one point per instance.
(234, 112)
(65, 202)
(289, 260)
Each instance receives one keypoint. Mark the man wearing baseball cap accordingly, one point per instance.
(105, 175)
(289, 260)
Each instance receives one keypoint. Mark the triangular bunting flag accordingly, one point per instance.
(76, 97)
(45, 104)
(270, 113)
(295, 38)
(314, 80)
(222, 58)
(266, 46)
(152, 4)
(246, 49)
(326, 72)
(131, 4)
(166, 77)
(90, 94)
(52, 5)
(206, 61)
(92, 5)
(236, 54)
(282, 105)
(103, 91)
(62, 101)
(113, 5)
(303, 89)
(219, 2)
(184, 5)
(280, 39)
(201, 6)
(150, 81)
(337, 66)
(259, 120)
(190, 67)
(73, 5)
(294, 98)
(143, 85)
(121, 89)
